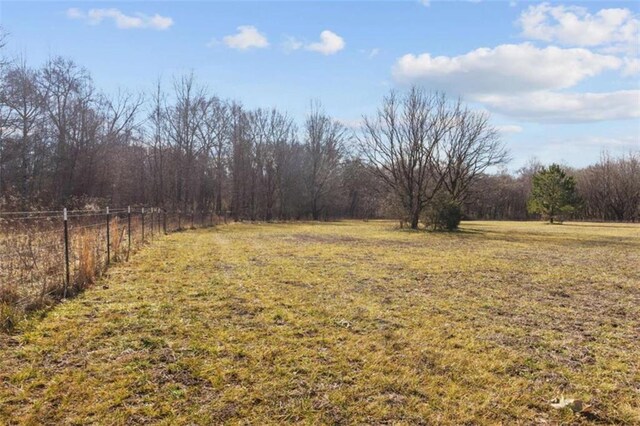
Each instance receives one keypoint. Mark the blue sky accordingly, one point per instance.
(561, 80)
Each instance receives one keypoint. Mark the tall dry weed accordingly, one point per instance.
(87, 265)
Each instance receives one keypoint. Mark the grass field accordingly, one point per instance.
(343, 323)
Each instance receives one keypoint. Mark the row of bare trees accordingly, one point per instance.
(610, 189)
(63, 142)
(58, 136)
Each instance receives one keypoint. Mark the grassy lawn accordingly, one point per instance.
(343, 323)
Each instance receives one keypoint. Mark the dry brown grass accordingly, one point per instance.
(344, 323)
(87, 265)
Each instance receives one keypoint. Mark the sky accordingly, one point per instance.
(561, 80)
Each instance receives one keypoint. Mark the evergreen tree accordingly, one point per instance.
(553, 193)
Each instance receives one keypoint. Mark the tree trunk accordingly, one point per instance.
(415, 219)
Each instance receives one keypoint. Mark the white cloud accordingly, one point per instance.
(622, 142)
(545, 106)
(506, 68)
(425, 3)
(329, 43)
(74, 13)
(373, 53)
(291, 43)
(121, 20)
(575, 26)
(507, 129)
(247, 37)
(528, 82)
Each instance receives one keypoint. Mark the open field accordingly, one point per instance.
(343, 323)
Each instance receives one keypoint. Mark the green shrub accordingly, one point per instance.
(444, 214)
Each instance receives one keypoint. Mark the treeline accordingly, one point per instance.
(65, 143)
(606, 191)
(62, 142)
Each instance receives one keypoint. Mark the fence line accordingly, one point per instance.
(50, 255)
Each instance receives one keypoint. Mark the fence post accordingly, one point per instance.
(192, 214)
(142, 219)
(129, 230)
(108, 238)
(179, 219)
(66, 252)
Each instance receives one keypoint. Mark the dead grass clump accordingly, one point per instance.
(9, 316)
(87, 265)
(9, 293)
(117, 237)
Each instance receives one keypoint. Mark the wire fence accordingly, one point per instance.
(51, 255)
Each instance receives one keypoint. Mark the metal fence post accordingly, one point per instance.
(142, 219)
(66, 252)
(108, 238)
(129, 230)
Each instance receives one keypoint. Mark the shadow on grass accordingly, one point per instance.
(536, 237)
(604, 225)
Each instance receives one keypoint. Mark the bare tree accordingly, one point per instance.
(184, 119)
(268, 129)
(611, 188)
(240, 163)
(213, 131)
(156, 140)
(68, 97)
(120, 133)
(470, 146)
(324, 147)
(402, 143)
(20, 95)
